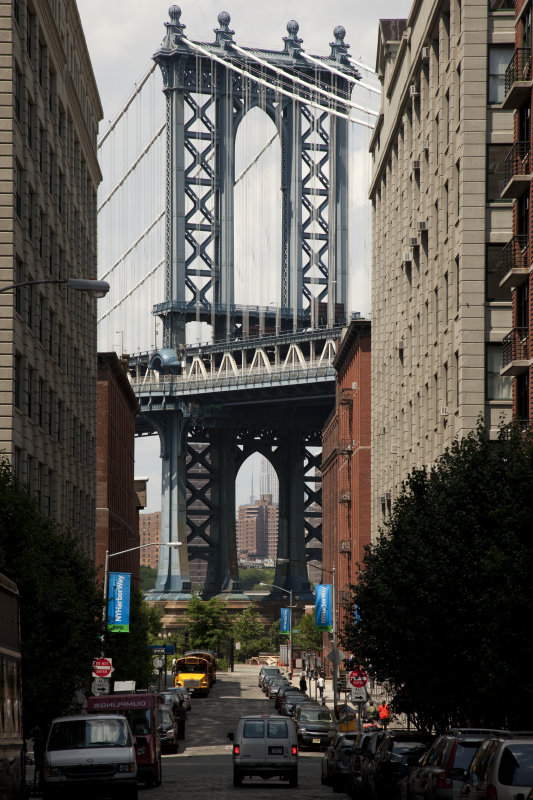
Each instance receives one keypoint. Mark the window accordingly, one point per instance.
(493, 270)
(457, 197)
(18, 190)
(446, 119)
(253, 729)
(498, 388)
(496, 155)
(18, 381)
(499, 57)
(501, 5)
(17, 81)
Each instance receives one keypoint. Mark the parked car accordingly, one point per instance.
(398, 752)
(315, 726)
(267, 670)
(355, 780)
(274, 686)
(367, 757)
(502, 769)
(339, 768)
(266, 747)
(291, 700)
(168, 730)
(175, 693)
(272, 679)
(281, 693)
(432, 778)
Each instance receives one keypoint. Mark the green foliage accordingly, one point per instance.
(251, 578)
(445, 597)
(250, 632)
(132, 660)
(60, 606)
(148, 577)
(209, 624)
(308, 636)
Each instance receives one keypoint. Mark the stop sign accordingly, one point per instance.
(358, 678)
(102, 667)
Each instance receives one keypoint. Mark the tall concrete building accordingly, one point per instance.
(439, 229)
(257, 528)
(150, 531)
(49, 178)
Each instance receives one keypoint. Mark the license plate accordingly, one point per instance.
(316, 741)
(275, 751)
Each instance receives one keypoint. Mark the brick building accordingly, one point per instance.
(257, 528)
(117, 504)
(150, 531)
(346, 463)
(516, 274)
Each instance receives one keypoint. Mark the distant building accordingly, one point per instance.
(150, 531)
(257, 528)
(268, 481)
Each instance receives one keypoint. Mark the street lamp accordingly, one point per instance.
(282, 589)
(109, 555)
(334, 632)
(93, 287)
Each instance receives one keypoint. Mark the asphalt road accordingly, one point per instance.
(203, 767)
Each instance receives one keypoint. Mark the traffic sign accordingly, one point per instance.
(101, 686)
(358, 695)
(102, 667)
(358, 678)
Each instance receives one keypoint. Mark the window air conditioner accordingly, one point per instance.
(388, 497)
(414, 241)
(444, 411)
(425, 144)
(382, 430)
(415, 164)
(414, 90)
(399, 344)
(422, 225)
(407, 256)
(425, 54)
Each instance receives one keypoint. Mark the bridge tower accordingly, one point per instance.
(209, 88)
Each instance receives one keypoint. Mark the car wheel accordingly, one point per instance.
(293, 779)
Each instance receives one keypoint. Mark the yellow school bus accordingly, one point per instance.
(192, 672)
(210, 658)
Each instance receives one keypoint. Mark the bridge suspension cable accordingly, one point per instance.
(229, 65)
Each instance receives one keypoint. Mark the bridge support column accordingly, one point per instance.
(223, 570)
(173, 571)
(291, 572)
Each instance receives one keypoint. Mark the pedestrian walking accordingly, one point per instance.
(384, 713)
(303, 682)
(321, 684)
(370, 711)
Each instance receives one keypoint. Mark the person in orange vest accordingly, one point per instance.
(384, 713)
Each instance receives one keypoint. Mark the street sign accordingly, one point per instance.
(336, 656)
(102, 667)
(358, 695)
(358, 678)
(101, 686)
(158, 662)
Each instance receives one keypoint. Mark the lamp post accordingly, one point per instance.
(93, 287)
(334, 632)
(273, 585)
(109, 555)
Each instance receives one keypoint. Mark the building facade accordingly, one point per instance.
(149, 531)
(49, 175)
(517, 362)
(346, 467)
(117, 502)
(440, 227)
(257, 528)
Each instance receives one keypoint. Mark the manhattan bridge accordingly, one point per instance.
(237, 190)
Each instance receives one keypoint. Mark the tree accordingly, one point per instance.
(307, 637)
(148, 577)
(209, 624)
(60, 606)
(251, 578)
(250, 632)
(445, 596)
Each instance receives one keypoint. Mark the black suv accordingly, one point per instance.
(398, 752)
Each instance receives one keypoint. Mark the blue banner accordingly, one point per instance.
(118, 608)
(323, 607)
(285, 621)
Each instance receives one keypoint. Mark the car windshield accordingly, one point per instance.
(465, 753)
(516, 765)
(139, 719)
(89, 733)
(407, 748)
(315, 715)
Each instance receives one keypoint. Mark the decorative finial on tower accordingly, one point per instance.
(339, 48)
(174, 28)
(223, 33)
(292, 42)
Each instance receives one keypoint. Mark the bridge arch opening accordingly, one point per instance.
(257, 504)
(257, 235)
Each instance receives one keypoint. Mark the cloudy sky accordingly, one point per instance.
(122, 36)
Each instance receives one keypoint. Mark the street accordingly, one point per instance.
(204, 764)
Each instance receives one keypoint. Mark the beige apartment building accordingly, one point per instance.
(439, 227)
(50, 111)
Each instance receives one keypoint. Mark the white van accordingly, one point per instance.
(90, 752)
(265, 746)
